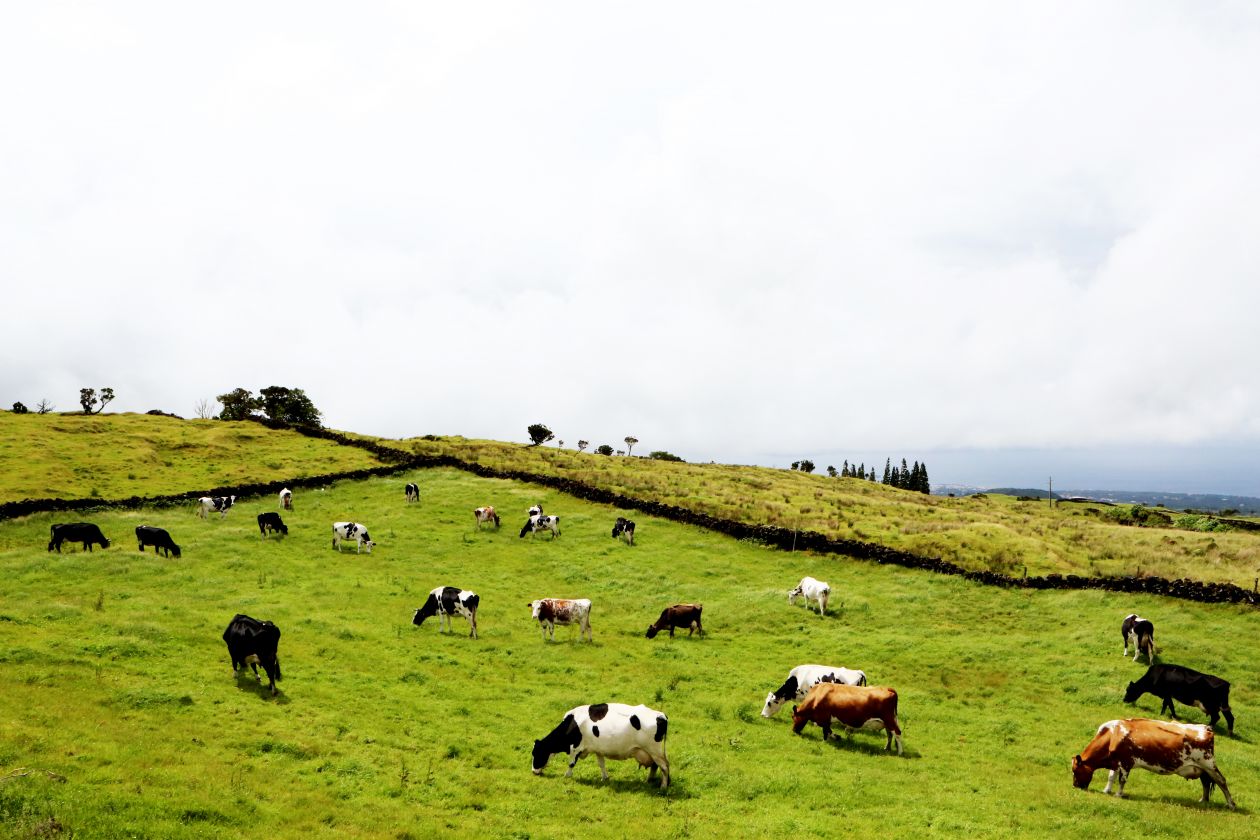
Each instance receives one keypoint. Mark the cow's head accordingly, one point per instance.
(798, 720)
(534, 606)
(536, 510)
(175, 550)
(652, 631)
(541, 755)
(1082, 773)
(1132, 693)
(429, 610)
(773, 702)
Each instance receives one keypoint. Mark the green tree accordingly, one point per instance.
(539, 434)
(18, 408)
(888, 471)
(603, 449)
(630, 442)
(807, 465)
(288, 405)
(582, 444)
(662, 455)
(924, 485)
(831, 471)
(239, 404)
(87, 399)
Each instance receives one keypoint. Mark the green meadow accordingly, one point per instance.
(120, 716)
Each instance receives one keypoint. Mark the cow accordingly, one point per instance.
(156, 537)
(679, 615)
(1174, 682)
(1140, 633)
(813, 590)
(271, 521)
(485, 514)
(608, 730)
(855, 707)
(351, 531)
(624, 528)
(535, 510)
(552, 611)
(77, 532)
(542, 523)
(413, 492)
(804, 677)
(253, 642)
(446, 601)
(215, 503)
(1156, 745)
(286, 499)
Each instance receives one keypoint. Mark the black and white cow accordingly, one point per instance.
(1140, 633)
(413, 492)
(77, 532)
(608, 730)
(253, 642)
(271, 521)
(446, 601)
(351, 531)
(286, 499)
(804, 677)
(539, 522)
(1210, 694)
(206, 504)
(156, 537)
(624, 528)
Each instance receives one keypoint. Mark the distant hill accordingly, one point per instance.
(1206, 502)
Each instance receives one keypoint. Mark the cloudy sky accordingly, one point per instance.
(1010, 239)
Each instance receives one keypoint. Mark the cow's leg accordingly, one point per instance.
(1122, 776)
(1111, 777)
(1219, 778)
(1168, 704)
(472, 619)
(603, 771)
(573, 759)
(671, 631)
(1229, 718)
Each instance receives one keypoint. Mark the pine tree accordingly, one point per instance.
(924, 485)
(844, 471)
(888, 471)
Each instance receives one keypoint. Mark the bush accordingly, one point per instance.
(18, 408)
(661, 455)
(603, 449)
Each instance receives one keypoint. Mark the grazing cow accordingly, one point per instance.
(535, 510)
(215, 503)
(156, 537)
(351, 531)
(608, 730)
(542, 523)
(1173, 682)
(624, 528)
(271, 521)
(286, 499)
(679, 615)
(813, 590)
(485, 514)
(854, 706)
(77, 532)
(253, 642)
(413, 492)
(1140, 633)
(804, 677)
(552, 611)
(446, 601)
(1156, 745)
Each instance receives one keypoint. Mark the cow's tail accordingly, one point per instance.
(862, 681)
(279, 676)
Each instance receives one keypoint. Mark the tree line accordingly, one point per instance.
(903, 477)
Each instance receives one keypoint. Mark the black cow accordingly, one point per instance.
(253, 642)
(156, 537)
(446, 601)
(624, 528)
(80, 532)
(271, 521)
(1173, 682)
(679, 615)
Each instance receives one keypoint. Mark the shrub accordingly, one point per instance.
(662, 455)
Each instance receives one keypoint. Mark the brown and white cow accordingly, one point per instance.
(552, 611)
(484, 515)
(853, 706)
(1155, 745)
(679, 615)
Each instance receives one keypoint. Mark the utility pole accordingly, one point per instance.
(1051, 496)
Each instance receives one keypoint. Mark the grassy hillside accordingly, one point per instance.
(116, 680)
(114, 456)
(987, 532)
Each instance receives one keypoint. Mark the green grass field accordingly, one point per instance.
(114, 456)
(116, 680)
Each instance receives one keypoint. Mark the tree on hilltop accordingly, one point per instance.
(630, 442)
(539, 434)
(19, 408)
(603, 449)
(582, 444)
(87, 399)
(288, 405)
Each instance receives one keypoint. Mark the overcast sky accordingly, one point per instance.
(748, 233)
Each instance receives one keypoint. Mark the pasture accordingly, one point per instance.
(118, 694)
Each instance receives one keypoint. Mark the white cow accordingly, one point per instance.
(552, 611)
(351, 531)
(215, 503)
(608, 730)
(286, 499)
(804, 677)
(813, 590)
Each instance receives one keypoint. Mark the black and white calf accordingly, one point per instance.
(271, 521)
(158, 538)
(219, 504)
(351, 531)
(1140, 633)
(608, 730)
(446, 601)
(539, 522)
(413, 492)
(624, 528)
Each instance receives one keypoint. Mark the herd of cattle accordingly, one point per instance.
(824, 695)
